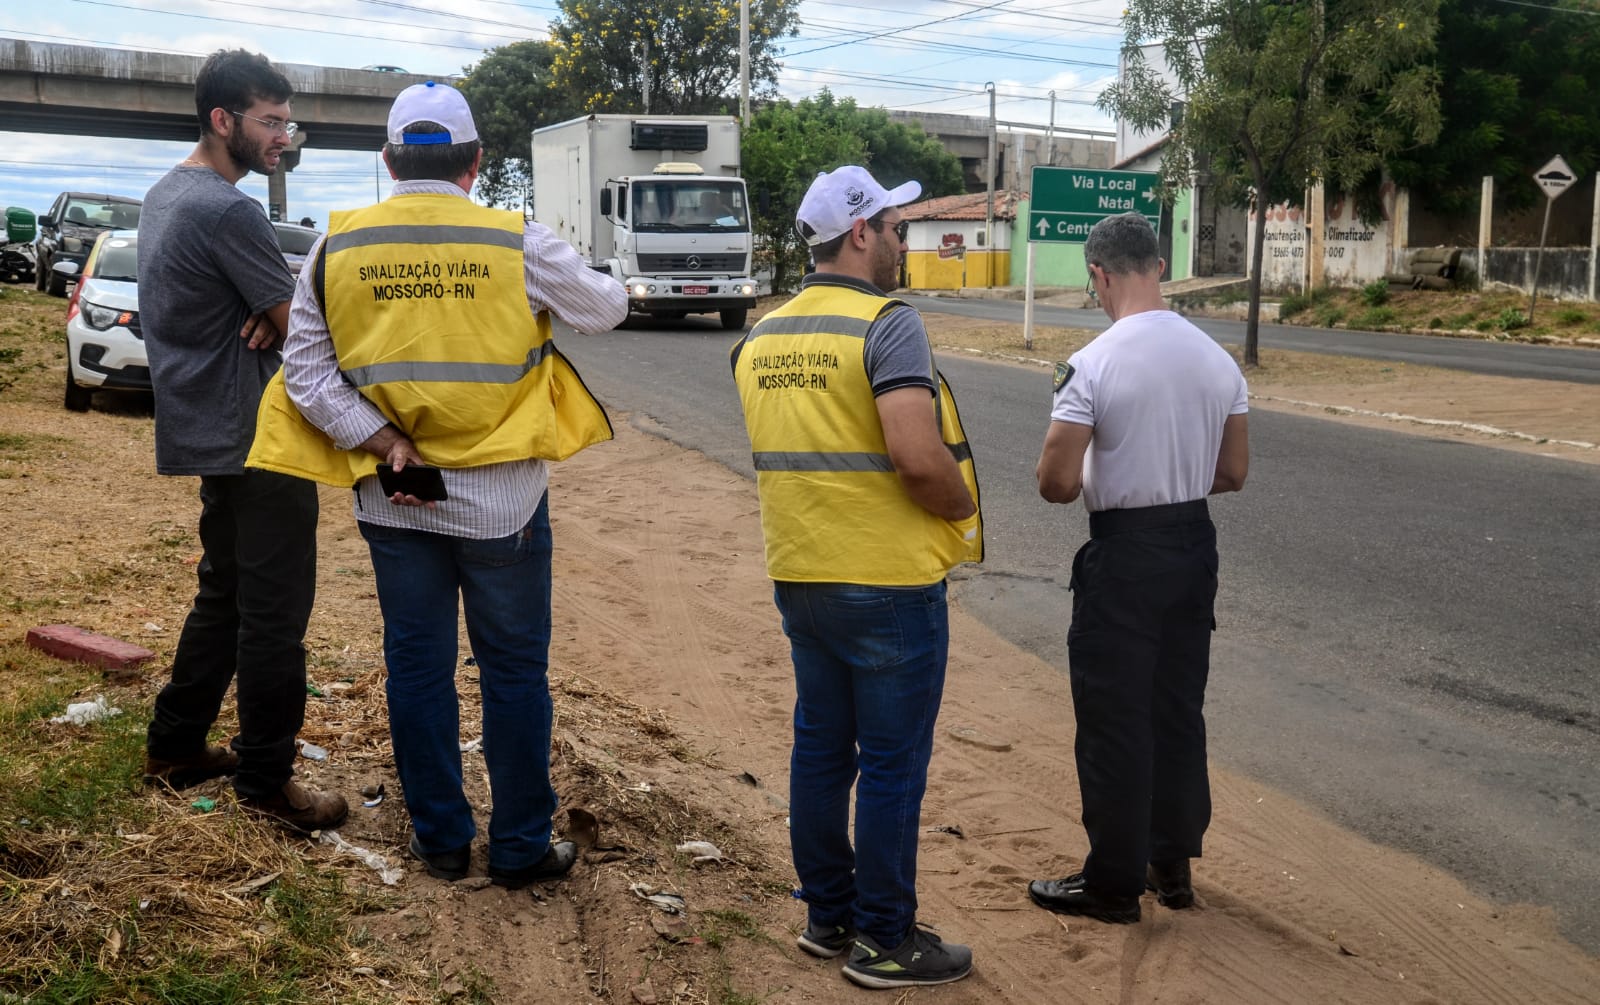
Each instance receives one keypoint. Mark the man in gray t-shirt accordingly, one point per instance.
(209, 259)
(214, 293)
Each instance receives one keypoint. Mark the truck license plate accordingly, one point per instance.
(696, 289)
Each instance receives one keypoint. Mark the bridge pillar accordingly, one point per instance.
(278, 181)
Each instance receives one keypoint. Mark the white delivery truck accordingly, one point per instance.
(655, 201)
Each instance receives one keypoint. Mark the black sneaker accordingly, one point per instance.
(446, 865)
(826, 941)
(1073, 896)
(921, 959)
(1170, 881)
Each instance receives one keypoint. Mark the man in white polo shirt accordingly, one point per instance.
(1148, 420)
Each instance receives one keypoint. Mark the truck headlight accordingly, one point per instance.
(747, 289)
(638, 289)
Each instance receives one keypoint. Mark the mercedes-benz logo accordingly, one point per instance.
(694, 263)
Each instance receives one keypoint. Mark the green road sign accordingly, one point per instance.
(1067, 202)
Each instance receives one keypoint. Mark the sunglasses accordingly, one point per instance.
(900, 229)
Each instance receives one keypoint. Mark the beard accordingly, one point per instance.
(245, 155)
(886, 270)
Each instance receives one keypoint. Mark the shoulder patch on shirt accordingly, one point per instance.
(1064, 372)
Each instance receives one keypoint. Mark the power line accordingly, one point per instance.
(911, 27)
(320, 31)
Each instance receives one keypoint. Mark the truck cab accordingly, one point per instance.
(656, 202)
(681, 242)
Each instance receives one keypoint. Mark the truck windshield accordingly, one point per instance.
(691, 204)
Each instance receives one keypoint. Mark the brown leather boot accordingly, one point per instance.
(299, 808)
(213, 762)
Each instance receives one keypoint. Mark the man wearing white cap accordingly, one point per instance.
(420, 344)
(868, 498)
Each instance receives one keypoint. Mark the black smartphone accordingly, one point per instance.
(413, 480)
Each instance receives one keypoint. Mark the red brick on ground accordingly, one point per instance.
(69, 643)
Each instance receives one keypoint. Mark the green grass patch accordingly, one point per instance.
(85, 778)
(1570, 316)
(1375, 317)
(1509, 320)
(1328, 315)
(1375, 293)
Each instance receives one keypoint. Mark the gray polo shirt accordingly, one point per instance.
(208, 259)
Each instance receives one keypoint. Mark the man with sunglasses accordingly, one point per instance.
(214, 298)
(868, 498)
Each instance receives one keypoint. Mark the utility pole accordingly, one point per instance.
(988, 213)
(744, 63)
(1050, 134)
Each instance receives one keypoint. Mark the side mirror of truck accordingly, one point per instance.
(764, 201)
(605, 202)
(47, 220)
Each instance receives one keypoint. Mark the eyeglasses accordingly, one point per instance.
(900, 229)
(275, 127)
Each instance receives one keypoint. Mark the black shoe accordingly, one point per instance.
(1170, 881)
(921, 959)
(1072, 896)
(446, 865)
(557, 862)
(826, 941)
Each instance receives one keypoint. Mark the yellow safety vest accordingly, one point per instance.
(428, 310)
(832, 508)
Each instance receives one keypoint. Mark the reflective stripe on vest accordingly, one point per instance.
(427, 308)
(832, 507)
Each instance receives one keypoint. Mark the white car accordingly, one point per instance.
(105, 347)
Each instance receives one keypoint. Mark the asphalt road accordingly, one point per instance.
(1409, 628)
(1502, 359)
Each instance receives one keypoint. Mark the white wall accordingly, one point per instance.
(1129, 140)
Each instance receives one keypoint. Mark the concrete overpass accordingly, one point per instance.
(81, 90)
(1018, 148)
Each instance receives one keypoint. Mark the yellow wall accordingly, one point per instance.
(925, 270)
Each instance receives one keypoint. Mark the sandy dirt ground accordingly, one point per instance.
(673, 705)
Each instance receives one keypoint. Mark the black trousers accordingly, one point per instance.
(257, 577)
(1139, 651)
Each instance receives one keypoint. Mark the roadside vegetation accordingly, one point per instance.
(1498, 315)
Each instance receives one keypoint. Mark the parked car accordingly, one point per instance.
(67, 231)
(105, 345)
(16, 245)
(296, 242)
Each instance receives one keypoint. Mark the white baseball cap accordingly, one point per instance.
(838, 198)
(431, 102)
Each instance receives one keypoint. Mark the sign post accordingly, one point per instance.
(1065, 204)
(1555, 178)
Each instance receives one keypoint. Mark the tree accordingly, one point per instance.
(1278, 93)
(1519, 85)
(511, 95)
(609, 53)
(787, 145)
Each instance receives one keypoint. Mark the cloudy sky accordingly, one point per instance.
(927, 55)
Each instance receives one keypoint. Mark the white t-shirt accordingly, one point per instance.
(1157, 390)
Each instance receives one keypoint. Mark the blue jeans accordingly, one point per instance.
(504, 584)
(869, 673)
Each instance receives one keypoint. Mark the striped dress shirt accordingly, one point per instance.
(493, 500)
